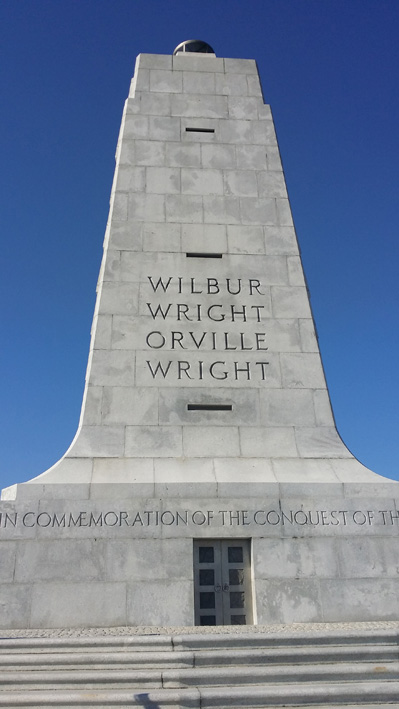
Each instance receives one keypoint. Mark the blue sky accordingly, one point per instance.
(330, 71)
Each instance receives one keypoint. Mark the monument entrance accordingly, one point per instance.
(222, 582)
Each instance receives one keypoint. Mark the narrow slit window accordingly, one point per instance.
(198, 254)
(209, 407)
(200, 130)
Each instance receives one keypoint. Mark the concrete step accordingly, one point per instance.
(318, 694)
(200, 641)
(206, 658)
(201, 677)
(207, 670)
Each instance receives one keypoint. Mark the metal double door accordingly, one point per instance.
(222, 582)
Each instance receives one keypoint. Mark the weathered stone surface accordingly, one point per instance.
(206, 413)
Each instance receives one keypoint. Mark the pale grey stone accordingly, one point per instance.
(123, 471)
(295, 271)
(126, 153)
(231, 84)
(263, 133)
(187, 208)
(273, 158)
(162, 80)
(161, 237)
(160, 602)
(119, 298)
(129, 405)
(240, 182)
(148, 207)
(308, 335)
(248, 470)
(198, 135)
(265, 112)
(321, 442)
(219, 156)
(352, 471)
(246, 239)
(229, 371)
(153, 61)
(164, 128)
(198, 82)
(285, 407)
(203, 182)
(374, 487)
(269, 443)
(284, 215)
(197, 62)
(254, 86)
(15, 602)
(281, 335)
(135, 126)
(153, 104)
(110, 268)
(365, 558)
(271, 184)
(285, 601)
(140, 82)
(235, 131)
(146, 559)
(119, 206)
(73, 605)
(208, 238)
(207, 441)
(221, 210)
(148, 152)
(303, 471)
(91, 407)
(76, 472)
(252, 157)
(240, 66)
(280, 240)
(359, 596)
(295, 558)
(257, 211)
(126, 333)
(126, 236)
(130, 179)
(173, 407)
(183, 155)
(302, 370)
(49, 559)
(98, 441)
(199, 106)
(272, 268)
(322, 405)
(163, 180)
(185, 478)
(101, 332)
(112, 368)
(153, 441)
(7, 561)
(243, 107)
(290, 302)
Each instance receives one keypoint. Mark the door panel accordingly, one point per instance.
(222, 582)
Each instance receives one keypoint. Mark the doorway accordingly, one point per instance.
(222, 582)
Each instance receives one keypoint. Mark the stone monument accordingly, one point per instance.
(207, 483)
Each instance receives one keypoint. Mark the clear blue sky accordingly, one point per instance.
(330, 71)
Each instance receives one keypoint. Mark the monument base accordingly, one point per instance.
(204, 553)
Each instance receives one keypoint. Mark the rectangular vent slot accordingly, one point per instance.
(200, 130)
(195, 254)
(209, 407)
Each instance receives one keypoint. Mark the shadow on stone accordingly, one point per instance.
(145, 701)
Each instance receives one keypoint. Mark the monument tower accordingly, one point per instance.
(207, 482)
